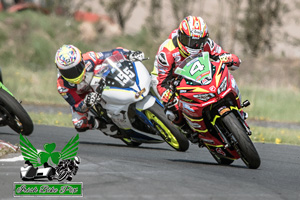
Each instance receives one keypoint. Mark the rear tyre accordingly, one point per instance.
(16, 117)
(243, 144)
(166, 129)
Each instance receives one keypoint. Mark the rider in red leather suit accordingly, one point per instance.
(190, 38)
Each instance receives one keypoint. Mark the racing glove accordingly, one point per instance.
(136, 56)
(101, 86)
(230, 59)
(166, 96)
(171, 109)
(91, 99)
(170, 104)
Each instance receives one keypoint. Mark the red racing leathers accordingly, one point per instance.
(169, 57)
(74, 94)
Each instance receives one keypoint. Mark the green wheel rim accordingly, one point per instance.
(163, 130)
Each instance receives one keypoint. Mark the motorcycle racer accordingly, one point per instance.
(70, 167)
(191, 38)
(75, 72)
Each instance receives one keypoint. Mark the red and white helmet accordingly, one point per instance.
(192, 35)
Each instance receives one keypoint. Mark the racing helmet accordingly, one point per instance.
(77, 159)
(192, 35)
(68, 60)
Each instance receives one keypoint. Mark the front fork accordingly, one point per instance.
(224, 134)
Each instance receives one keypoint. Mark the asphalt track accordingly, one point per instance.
(111, 170)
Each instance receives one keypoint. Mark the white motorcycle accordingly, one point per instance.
(126, 103)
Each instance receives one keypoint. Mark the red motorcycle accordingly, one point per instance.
(210, 102)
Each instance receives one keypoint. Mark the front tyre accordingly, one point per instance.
(14, 114)
(62, 175)
(166, 129)
(243, 143)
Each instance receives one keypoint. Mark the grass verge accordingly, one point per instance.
(275, 135)
(58, 119)
(259, 134)
(272, 104)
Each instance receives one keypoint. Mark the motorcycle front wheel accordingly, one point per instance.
(14, 115)
(243, 144)
(166, 129)
(62, 175)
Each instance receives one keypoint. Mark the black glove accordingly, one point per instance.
(91, 99)
(171, 110)
(101, 86)
(136, 56)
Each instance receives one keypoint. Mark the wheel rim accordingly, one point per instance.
(163, 130)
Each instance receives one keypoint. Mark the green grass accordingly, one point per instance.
(276, 104)
(275, 135)
(29, 40)
(33, 87)
(259, 134)
(58, 119)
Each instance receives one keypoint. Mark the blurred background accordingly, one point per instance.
(263, 33)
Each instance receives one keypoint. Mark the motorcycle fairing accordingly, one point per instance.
(133, 90)
(197, 69)
(221, 151)
(197, 124)
(123, 76)
(198, 92)
(193, 92)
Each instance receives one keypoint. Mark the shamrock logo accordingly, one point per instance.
(36, 158)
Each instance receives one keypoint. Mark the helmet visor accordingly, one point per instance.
(73, 72)
(192, 42)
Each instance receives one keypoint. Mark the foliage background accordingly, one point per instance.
(268, 76)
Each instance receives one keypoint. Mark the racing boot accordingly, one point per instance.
(108, 129)
(245, 115)
(189, 133)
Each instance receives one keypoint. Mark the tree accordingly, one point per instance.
(119, 8)
(260, 17)
(154, 20)
(182, 8)
(235, 6)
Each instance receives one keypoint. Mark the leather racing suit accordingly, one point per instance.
(169, 57)
(74, 94)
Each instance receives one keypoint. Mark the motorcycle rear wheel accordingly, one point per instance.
(16, 116)
(166, 129)
(244, 144)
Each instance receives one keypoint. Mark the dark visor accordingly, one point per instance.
(73, 72)
(189, 41)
